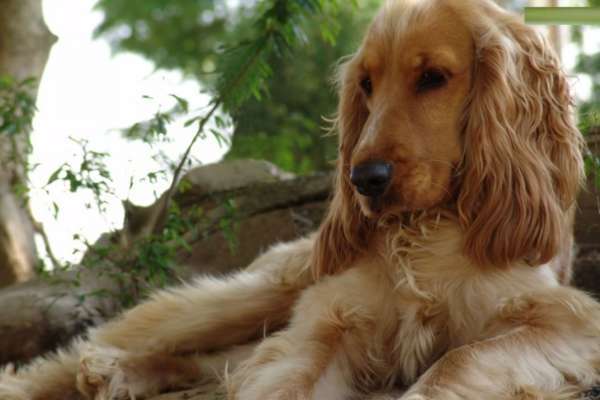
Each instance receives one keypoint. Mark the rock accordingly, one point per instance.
(42, 314)
(234, 174)
(217, 254)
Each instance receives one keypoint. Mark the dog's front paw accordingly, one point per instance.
(107, 373)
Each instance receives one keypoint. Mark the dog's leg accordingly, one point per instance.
(143, 375)
(317, 356)
(543, 345)
(215, 312)
(207, 315)
(45, 378)
(299, 373)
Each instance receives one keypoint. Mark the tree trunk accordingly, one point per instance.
(25, 43)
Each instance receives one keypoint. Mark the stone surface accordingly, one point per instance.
(234, 174)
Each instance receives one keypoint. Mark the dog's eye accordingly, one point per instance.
(430, 79)
(367, 85)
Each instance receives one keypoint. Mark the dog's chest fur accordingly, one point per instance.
(429, 299)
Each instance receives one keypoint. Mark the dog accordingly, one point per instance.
(436, 273)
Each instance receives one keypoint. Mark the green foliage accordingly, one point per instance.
(592, 167)
(174, 34)
(589, 112)
(17, 108)
(148, 265)
(228, 224)
(153, 260)
(276, 31)
(301, 96)
(155, 129)
(280, 69)
(91, 175)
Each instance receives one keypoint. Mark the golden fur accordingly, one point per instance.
(445, 287)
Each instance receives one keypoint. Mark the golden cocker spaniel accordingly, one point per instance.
(436, 272)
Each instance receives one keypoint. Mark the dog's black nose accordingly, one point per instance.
(371, 178)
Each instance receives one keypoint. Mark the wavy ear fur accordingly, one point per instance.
(522, 165)
(343, 233)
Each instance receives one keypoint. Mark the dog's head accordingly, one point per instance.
(454, 104)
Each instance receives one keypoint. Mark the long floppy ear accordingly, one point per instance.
(522, 165)
(342, 234)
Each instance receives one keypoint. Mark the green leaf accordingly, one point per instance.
(182, 103)
(190, 122)
(54, 176)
